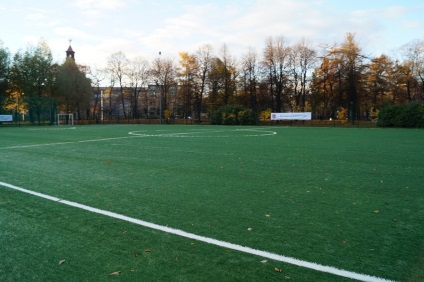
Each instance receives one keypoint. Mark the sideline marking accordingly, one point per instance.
(290, 260)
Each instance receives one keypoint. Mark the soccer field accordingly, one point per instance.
(208, 203)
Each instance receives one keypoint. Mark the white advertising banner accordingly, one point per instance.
(6, 118)
(291, 116)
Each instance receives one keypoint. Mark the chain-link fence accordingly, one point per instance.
(28, 110)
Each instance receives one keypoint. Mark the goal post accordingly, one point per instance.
(65, 119)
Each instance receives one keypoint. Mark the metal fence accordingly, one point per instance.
(29, 110)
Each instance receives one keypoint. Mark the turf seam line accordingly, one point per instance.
(240, 248)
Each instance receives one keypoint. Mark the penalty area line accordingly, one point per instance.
(178, 232)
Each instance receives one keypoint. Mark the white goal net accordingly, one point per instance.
(65, 119)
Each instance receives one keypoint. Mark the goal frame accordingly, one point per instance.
(67, 119)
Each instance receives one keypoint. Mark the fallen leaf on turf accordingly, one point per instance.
(276, 269)
(264, 261)
(147, 251)
(249, 229)
(267, 215)
(61, 262)
(344, 241)
(376, 211)
(116, 273)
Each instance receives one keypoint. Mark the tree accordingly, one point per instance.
(378, 81)
(204, 61)
(187, 74)
(343, 70)
(97, 76)
(117, 67)
(138, 75)
(72, 89)
(307, 60)
(323, 88)
(229, 75)
(163, 73)
(5, 61)
(413, 53)
(350, 53)
(221, 80)
(32, 74)
(249, 79)
(276, 63)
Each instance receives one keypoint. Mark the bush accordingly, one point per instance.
(411, 115)
(408, 115)
(234, 115)
(388, 115)
(266, 114)
(247, 117)
(342, 114)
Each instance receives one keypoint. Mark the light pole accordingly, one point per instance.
(17, 110)
(160, 100)
(101, 105)
(160, 92)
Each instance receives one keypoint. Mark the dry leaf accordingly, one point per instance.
(61, 262)
(147, 251)
(249, 229)
(276, 269)
(344, 241)
(376, 211)
(267, 215)
(116, 273)
(264, 261)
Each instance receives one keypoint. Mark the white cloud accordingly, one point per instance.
(392, 12)
(36, 15)
(412, 25)
(70, 32)
(101, 27)
(98, 4)
(95, 9)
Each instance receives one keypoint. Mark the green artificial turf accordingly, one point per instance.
(349, 198)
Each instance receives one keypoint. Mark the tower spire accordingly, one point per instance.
(70, 53)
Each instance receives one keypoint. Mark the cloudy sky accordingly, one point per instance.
(99, 28)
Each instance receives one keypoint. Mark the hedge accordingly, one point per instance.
(409, 115)
(234, 115)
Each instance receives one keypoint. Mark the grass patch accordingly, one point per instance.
(348, 198)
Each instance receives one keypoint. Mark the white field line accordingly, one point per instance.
(50, 129)
(198, 134)
(135, 134)
(67, 142)
(290, 260)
